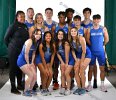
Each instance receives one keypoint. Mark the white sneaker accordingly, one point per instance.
(62, 91)
(89, 88)
(49, 93)
(103, 88)
(67, 92)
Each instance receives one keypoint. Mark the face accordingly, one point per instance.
(77, 22)
(87, 15)
(48, 14)
(62, 19)
(30, 14)
(69, 15)
(48, 37)
(96, 21)
(73, 32)
(38, 35)
(60, 35)
(21, 18)
(39, 19)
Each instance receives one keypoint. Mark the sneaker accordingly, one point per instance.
(89, 88)
(76, 91)
(20, 87)
(67, 92)
(62, 91)
(55, 86)
(33, 92)
(15, 91)
(49, 93)
(44, 92)
(103, 88)
(27, 93)
(82, 91)
(95, 84)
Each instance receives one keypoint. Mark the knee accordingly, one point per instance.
(67, 73)
(102, 69)
(50, 74)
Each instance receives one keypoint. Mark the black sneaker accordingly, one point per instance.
(20, 87)
(15, 91)
(95, 84)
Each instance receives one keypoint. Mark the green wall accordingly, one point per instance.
(110, 23)
(7, 13)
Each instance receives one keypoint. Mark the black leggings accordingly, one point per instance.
(14, 69)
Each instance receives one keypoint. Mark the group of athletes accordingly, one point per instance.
(71, 44)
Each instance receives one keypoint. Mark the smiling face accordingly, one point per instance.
(48, 37)
(73, 32)
(60, 35)
(96, 21)
(38, 35)
(21, 18)
(77, 22)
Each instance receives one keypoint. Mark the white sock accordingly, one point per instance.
(102, 83)
(89, 82)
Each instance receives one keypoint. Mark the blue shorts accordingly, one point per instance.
(71, 60)
(21, 61)
(38, 59)
(87, 55)
(100, 56)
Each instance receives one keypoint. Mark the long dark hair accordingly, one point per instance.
(17, 14)
(36, 43)
(71, 39)
(51, 42)
(63, 40)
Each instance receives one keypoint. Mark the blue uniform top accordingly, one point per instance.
(61, 51)
(65, 28)
(81, 31)
(48, 55)
(29, 24)
(96, 39)
(87, 25)
(33, 48)
(49, 25)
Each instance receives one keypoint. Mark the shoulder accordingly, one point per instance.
(81, 38)
(29, 41)
(67, 43)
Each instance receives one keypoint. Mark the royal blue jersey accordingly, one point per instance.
(90, 24)
(29, 24)
(96, 39)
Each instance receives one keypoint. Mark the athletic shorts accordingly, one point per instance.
(100, 56)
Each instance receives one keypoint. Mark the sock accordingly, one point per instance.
(89, 82)
(102, 83)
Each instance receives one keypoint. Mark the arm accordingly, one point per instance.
(28, 45)
(42, 55)
(74, 55)
(53, 31)
(106, 36)
(88, 37)
(67, 51)
(9, 34)
(31, 29)
(53, 55)
(83, 44)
